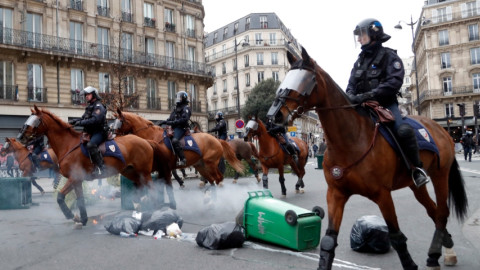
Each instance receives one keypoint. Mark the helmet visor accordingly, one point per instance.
(361, 37)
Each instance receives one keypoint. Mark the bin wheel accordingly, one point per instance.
(319, 211)
(291, 217)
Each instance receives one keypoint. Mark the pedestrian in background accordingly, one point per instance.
(10, 161)
(468, 145)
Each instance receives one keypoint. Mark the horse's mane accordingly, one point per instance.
(142, 119)
(60, 122)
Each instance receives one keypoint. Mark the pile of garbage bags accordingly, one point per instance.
(370, 234)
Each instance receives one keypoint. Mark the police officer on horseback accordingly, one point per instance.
(378, 75)
(94, 122)
(279, 133)
(178, 120)
(221, 127)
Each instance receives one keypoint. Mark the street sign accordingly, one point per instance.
(231, 137)
(292, 128)
(292, 134)
(239, 123)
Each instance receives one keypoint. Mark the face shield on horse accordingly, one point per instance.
(357, 161)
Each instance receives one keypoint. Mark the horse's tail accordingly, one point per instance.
(456, 189)
(254, 150)
(230, 156)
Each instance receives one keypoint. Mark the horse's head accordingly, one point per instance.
(121, 125)
(32, 128)
(7, 147)
(254, 127)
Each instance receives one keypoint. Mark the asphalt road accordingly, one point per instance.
(41, 238)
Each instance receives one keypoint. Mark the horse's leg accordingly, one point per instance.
(56, 180)
(171, 196)
(61, 199)
(397, 239)
(80, 203)
(265, 177)
(336, 203)
(254, 168)
(281, 179)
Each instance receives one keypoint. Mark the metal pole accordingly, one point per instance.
(58, 60)
(415, 64)
(238, 85)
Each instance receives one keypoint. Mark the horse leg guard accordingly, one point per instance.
(221, 165)
(63, 206)
(399, 243)
(282, 185)
(327, 250)
(83, 210)
(440, 237)
(265, 181)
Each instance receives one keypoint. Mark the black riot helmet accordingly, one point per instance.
(182, 97)
(373, 28)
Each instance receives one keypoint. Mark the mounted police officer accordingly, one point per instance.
(178, 120)
(94, 122)
(221, 127)
(378, 75)
(279, 133)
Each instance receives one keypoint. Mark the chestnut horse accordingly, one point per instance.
(140, 157)
(360, 161)
(245, 150)
(21, 154)
(271, 155)
(211, 148)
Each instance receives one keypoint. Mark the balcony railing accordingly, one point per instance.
(76, 98)
(127, 17)
(196, 106)
(76, 4)
(190, 33)
(77, 48)
(231, 51)
(456, 91)
(153, 103)
(103, 11)
(229, 111)
(8, 92)
(149, 22)
(131, 101)
(37, 94)
(169, 27)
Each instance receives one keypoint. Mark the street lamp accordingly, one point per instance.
(245, 43)
(411, 24)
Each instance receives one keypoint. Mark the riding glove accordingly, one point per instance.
(73, 122)
(360, 98)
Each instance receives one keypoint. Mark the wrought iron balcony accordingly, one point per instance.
(169, 27)
(76, 4)
(103, 11)
(149, 22)
(227, 112)
(154, 103)
(77, 48)
(190, 33)
(196, 106)
(127, 17)
(37, 94)
(9, 92)
(76, 98)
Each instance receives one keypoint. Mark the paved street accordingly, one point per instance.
(41, 238)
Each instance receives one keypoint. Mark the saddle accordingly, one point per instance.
(108, 148)
(187, 142)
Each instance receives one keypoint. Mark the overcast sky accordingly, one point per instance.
(325, 27)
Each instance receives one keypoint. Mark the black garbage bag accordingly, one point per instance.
(221, 236)
(159, 220)
(125, 224)
(370, 234)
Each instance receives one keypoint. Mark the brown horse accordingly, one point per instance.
(21, 154)
(359, 161)
(141, 157)
(271, 155)
(211, 148)
(245, 150)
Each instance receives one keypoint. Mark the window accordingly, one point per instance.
(215, 36)
(246, 59)
(150, 50)
(261, 76)
(127, 15)
(273, 39)
(258, 39)
(194, 100)
(149, 17)
(469, 9)
(274, 58)
(445, 60)
(224, 86)
(224, 68)
(104, 82)
(191, 56)
(127, 47)
(35, 83)
(275, 75)
(215, 106)
(190, 23)
(449, 110)
(152, 101)
(76, 79)
(263, 22)
(476, 82)
(7, 23)
(443, 37)
(34, 30)
(225, 32)
(447, 86)
(247, 39)
(170, 54)
(103, 42)
(7, 84)
(259, 59)
(473, 32)
(247, 79)
(172, 93)
(234, 62)
(215, 88)
(225, 103)
(76, 37)
(102, 8)
(442, 14)
(168, 15)
(235, 28)
(475, 56)
(247, 23)
(129, 85)
(235, 82)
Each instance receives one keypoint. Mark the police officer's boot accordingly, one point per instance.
(292, 152)
(97, 159)
(36, 162)
(179, 151)
(408, 141)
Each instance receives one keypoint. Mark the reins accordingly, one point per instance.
(372, 144)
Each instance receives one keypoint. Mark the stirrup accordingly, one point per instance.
(182, 162)
(419, 177)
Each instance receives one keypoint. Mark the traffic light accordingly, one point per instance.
(476, 109)
(461, 108)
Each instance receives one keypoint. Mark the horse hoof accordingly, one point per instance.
(234, 181)
(450, 257)
(284, 196)
(77, 226)
(301, 191)
(202, 184)
(220, 184)
(258, 179)
(182, 187)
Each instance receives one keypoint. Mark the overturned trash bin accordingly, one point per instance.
(15, 193)
(278, 222)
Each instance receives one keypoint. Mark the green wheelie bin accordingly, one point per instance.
(319, 162)
(281, 223)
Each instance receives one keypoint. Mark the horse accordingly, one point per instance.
(211, 149)
(245, 150)
(359, 161)
(21, 154)
(140, 157)
(271, 155)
